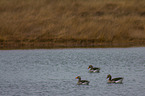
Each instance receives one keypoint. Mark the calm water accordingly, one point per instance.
(53, 72)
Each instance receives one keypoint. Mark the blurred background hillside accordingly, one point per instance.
(71, 23)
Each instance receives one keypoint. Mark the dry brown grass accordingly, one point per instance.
(28, 21)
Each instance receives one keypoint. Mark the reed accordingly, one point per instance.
(28, 21)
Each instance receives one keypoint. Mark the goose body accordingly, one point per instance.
(114, 80)
(82, 82)
(93, 69)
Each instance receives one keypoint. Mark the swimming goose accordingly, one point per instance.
(82, 82)
(114, 80)
(93, 69)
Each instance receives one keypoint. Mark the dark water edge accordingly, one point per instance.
(77, 44)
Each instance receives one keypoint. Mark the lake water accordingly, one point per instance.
(52, 72)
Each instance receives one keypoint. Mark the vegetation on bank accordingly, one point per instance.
(71, 23)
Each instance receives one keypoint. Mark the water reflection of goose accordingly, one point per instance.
(114, 80)
(82, 82)
(93, 69)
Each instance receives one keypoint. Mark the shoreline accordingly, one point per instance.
(62, 44)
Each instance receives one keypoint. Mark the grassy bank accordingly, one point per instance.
(71, 23)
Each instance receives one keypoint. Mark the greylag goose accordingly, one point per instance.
(114, 80)
(82, 82)
(93, 69)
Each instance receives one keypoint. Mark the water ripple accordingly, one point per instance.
(53, 72)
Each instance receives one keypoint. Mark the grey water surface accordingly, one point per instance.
(52, 72)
